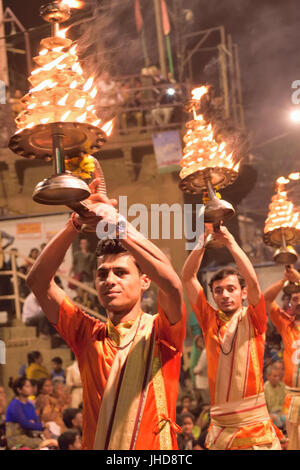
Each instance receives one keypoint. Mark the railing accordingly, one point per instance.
(16, 275)
(148, 102)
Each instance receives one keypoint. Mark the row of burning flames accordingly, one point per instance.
(61, 94)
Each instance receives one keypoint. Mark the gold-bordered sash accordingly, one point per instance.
(233, 367)
(120, 402)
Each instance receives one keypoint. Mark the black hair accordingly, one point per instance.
(68, 415)
(67, 438)
(109, 246)
(57, 360)
(17, 383)
(33, 356)
(40, 384)
(186, 396)
(187, 415)
(223, 273)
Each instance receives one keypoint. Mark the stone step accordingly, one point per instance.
(17, 332)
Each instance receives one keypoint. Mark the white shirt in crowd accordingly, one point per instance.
(31, 308)
(200, 371)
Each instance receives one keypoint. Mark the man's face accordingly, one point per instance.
(56, 367)
(186, 403)
(228, 294)
(77, 421)
(274, 377)
(119, 283)
(187, 426)
(295, 305)
(279, 368)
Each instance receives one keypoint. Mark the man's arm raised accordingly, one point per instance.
(157, 266)
(152, 261)
(40, 278)
(192, 266)
(271, 293)
(243, 263)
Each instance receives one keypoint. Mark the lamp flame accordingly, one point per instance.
(88, 84)
(294, 176)
(62, 33)
(281, 210)
(63, 100)
(73, 85)
(65, 115)
(282, 180)
(94, 92)
(73, 3)
(80, 103)
(197, 93)
(77, 68)
(108, 127)
(81, 118)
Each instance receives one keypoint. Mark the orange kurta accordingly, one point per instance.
(290, 334)
(95, 352)
(214, 328)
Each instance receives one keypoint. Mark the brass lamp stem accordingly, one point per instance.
(283, 238)
(58, 152)
(54, 28)
(210, 189)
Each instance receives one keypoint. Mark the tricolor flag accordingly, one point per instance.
(138, 16)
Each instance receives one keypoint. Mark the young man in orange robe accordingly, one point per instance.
(234, 339)
(130, 365)
(288, 326)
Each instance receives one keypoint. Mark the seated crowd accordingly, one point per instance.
(41, 416)
(46, 412)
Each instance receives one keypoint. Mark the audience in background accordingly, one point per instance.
(23, 426)
(33, 315)
(186, 438)
(48, 408)
(275, 394)
(72, 418)
(69, 440)
(35, 369)
(57, 373)
(201, 379)
(2, 417)
(73, 382)
(61, 394)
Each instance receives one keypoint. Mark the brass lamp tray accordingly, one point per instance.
(55, 12)
(274, 237)
(56, 41)
(36, 142)
(219, 177)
